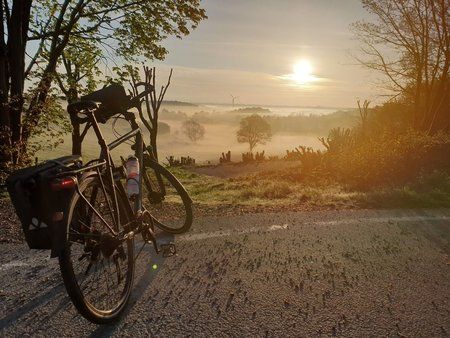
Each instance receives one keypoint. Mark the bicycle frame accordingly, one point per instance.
(106, 160)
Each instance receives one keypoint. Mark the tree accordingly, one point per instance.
(79, 77)
(409, 43)
(254, 130)
(125, 29)
(152, 101)
(193, 130)
(14, 26)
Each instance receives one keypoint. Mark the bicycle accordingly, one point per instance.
(103, 221)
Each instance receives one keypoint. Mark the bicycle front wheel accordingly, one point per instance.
(96, 269)
(166, 199)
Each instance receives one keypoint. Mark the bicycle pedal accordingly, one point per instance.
(168, 249)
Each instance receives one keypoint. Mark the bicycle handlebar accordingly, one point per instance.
(134, 101)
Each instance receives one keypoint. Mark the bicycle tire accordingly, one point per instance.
(170, 183)
(75, 292)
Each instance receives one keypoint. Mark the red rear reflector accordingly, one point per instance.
(57, 216)
(63, 183)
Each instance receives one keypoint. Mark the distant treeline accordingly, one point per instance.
(179, 103)
(295, 123)
(163, 128)
(312, 124)
(252, 110)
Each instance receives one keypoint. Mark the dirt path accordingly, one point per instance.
(332, 273)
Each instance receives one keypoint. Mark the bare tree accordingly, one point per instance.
(363, 113)
(409, 43)
(152, 102)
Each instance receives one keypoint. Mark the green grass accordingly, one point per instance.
(282, 189)
(429, 191)
(432, 191)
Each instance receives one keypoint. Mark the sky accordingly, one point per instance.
(249, 48)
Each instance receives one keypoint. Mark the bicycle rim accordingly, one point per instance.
(167, 200)
(97, 278)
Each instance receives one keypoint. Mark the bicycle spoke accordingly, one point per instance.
(101, 280)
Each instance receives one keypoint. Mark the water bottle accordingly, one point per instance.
(132, 167)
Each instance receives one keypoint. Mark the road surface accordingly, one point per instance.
(330, 273)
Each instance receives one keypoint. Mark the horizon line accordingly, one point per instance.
(259, 105)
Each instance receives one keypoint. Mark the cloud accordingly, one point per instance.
(215, 86)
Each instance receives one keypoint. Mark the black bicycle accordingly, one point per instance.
(97, 261)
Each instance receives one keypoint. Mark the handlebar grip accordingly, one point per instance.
(136, 100)
(147, 85)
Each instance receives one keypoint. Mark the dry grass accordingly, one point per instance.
(282, 188)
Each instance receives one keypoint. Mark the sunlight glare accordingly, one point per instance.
(303, 72)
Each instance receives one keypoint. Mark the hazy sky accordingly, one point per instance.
(246, 48)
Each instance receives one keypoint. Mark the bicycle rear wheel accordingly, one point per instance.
(166, 199)
(96, 269)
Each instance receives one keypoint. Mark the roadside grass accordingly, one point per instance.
(284, 188)
(278, 189)
(429, 191)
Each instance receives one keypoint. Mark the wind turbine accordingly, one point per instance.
(233, 98)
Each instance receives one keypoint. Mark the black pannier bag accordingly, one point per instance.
(42, 210)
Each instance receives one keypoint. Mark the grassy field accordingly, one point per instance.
(276, 189)
(282, 189)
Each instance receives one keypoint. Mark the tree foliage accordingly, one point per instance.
(193, 130)
(254, 130)
(409, 43)
(74, 35)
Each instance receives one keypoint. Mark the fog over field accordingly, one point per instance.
(291, 127)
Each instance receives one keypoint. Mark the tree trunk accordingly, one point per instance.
(153, 136)
(44, 85)
(17, 39)
(5, 140)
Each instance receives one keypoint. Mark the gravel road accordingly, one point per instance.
(331, 273)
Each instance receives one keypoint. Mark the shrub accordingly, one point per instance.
(389, 159)
(311, 160)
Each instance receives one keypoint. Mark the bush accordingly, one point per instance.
(311, 160)
(389, 159)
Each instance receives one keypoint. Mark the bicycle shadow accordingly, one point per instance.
(139, 287)
(40, 300)
(57, 292)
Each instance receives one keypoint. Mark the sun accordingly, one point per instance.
(303, 72)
